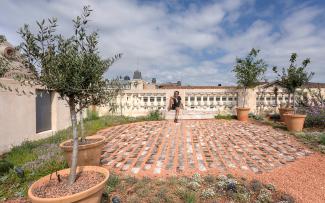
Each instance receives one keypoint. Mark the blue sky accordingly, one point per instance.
(192, 41)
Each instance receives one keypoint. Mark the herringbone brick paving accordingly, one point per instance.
(160, 148)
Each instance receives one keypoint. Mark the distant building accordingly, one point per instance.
(137, 75)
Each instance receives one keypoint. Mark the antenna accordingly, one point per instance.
(137, 63)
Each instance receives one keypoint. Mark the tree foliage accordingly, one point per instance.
(294, 76)
(70, 66)
(250, 70)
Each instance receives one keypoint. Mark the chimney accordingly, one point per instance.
(153, 81)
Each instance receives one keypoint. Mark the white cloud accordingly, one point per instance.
(172, 45)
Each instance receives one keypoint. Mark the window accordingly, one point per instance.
(158, 99)
(211, 98)
(192, 98)
(145, 99)
(43, 111)
(205, 98)
(218, 98)
(152, 99)
(198, 98)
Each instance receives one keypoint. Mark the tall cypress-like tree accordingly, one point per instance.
(70, 66)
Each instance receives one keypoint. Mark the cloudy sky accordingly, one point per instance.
(195, 41)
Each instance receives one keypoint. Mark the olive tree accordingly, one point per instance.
(70, 66)
(249, 71)
(293, 77)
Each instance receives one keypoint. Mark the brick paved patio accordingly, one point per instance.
(165, 148)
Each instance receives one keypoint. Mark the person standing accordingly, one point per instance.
(175, 103)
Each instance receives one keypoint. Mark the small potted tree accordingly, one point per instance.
(249, 71)
(285, 109)
(73, 68)
(291, 79)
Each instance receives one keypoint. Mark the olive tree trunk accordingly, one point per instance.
(294, 101)
(74, 160)
(82, 127)
(244, 103)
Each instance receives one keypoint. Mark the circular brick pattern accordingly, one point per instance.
(165, 148)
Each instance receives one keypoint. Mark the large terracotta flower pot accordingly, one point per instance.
(295, 122)
(283, 111)
(242, 113)
(93, 194)
(88, 154)
(285, 117)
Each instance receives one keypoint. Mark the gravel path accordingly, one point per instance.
(304, 179)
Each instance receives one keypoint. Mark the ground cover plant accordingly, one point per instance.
(193, 189)
(315, 140)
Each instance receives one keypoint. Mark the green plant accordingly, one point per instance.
(91, 115)
(187, 196)
(70, 66)
(112, 182)
(255, 117)
(5, 167)
(249, 71)
(226, 117)
(315, 140)
(293, 77)
(154, 115)
(322, 139)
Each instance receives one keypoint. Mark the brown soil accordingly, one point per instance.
(54, 188)
(83, 142)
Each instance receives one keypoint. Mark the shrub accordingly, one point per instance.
(275, 117)
(5, 166)
(226, 117)
(255, 117)
(154, 116)
(322, 139)
(91, 115)
(315, 116)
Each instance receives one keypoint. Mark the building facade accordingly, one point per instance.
(199, 102)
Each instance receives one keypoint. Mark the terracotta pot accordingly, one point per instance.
(93, 194)
(88, 154)
(295, 122)
(283, 111)
(285, 117)
(242, 113)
